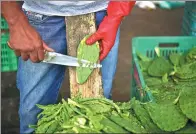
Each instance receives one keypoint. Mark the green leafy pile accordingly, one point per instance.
(100, 115)
(90, 115)
(172, 81)
(167, 77)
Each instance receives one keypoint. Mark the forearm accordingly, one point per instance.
(120, 9)
(12, 12)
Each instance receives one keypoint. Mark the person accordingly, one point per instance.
(39, 26)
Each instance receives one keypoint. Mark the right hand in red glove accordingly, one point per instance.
(108, 28)
(106, 34)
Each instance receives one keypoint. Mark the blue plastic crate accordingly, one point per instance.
(190, 15)
(190, 5)
(189, 19)
(183, 33)
(186, 31)
(189, 23)
(187, 26)
(189, 34)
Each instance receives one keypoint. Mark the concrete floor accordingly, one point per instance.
(139, 23)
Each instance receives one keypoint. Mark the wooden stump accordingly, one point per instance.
(77, 27)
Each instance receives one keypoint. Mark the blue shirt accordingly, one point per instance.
(64, 8)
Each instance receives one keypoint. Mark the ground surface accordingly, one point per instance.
(139, 23)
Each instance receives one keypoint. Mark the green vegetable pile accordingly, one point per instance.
(100, 115)
(172, 82)
(170, 77)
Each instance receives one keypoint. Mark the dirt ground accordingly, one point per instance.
(139, 23)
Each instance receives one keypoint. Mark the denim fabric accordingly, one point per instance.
(39, 83)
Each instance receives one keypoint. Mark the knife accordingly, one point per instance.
(60, 59)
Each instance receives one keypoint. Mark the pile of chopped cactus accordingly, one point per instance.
(172, 82)
(171, 77)
(167, 77)
(100, 115)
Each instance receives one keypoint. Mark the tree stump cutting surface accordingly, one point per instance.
(77, 27)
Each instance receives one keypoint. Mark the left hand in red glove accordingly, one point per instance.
(108, 28)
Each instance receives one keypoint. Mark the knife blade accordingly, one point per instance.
(60, 59)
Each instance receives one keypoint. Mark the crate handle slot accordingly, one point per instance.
(163, 45)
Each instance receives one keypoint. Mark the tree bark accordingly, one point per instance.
(77, 27)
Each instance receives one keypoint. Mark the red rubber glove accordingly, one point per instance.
(108, 28)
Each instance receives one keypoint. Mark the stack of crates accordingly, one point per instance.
(4, 25)
(189, 19)
(9, 60)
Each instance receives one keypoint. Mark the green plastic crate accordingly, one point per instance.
(146, 46)
(4, 25)
(9, 60)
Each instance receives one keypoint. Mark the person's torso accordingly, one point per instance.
(64, 8)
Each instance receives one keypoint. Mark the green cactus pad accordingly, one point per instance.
(97, 107)
(165, 94)
(129, 123)
(175, 59)
(86, 52)
(144, 65)
(168, 117)
(183, 59)
(153, 81)
(186, 71)
(187, 102)
(191, 56)
(159, 67)
(143, 116)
